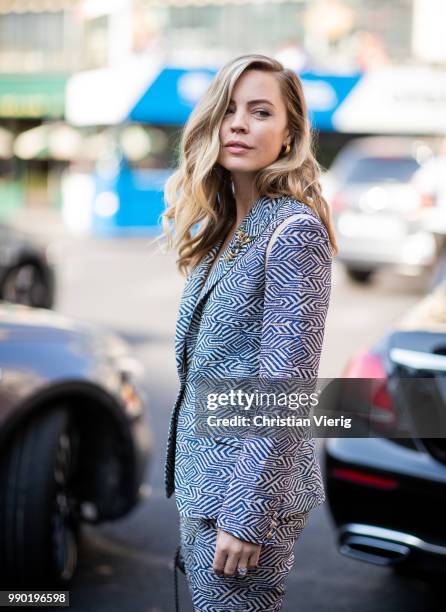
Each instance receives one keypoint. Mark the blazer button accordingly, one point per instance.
(269, 535)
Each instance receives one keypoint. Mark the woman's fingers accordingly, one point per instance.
(231, 563)
(218, 564)
(240, 561)
(254, 559)
(243, 563)
(232, 554)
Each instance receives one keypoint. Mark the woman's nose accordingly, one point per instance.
(239, 121)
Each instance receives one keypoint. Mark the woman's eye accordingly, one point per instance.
(265, 113)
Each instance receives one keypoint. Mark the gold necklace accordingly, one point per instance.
(241, 238)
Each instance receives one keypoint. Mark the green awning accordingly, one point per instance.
(32, 96)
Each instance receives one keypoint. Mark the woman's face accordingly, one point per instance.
(257, 117)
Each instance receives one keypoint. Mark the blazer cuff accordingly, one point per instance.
(254, 526)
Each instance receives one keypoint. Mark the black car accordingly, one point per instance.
(387, 494)
(74, 443)
(27, 276)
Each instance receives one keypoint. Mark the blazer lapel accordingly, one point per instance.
(191, 292)
(200, 283)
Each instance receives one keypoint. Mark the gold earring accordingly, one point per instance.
(288, 149)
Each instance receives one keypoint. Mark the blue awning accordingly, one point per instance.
(174, 93)
(390, 99)
(166, 95)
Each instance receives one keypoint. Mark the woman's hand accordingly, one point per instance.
(233, 554)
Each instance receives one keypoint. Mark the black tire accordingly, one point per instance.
(39, 512)
(26, 284)
(360, 276)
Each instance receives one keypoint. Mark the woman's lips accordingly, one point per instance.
(237, 149)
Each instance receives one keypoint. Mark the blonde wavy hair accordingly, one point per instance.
(200, 193)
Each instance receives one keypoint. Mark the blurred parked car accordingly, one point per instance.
(430, 181)
(26, 274)
(74, 444)
(377, 211)
(387, 495)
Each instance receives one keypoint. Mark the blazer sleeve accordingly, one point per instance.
(296, 300)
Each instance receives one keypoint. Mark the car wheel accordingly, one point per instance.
(39, 511)
(25, 284)
(360, 276)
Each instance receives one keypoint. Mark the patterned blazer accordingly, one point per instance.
(259, 313)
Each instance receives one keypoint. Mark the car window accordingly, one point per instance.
(375, 169)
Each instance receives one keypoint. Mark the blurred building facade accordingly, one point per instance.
(64, 36)
(44, 42)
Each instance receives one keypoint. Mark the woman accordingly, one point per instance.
(254, 232)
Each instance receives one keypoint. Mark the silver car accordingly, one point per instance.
(74, 441)
(377, 210)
